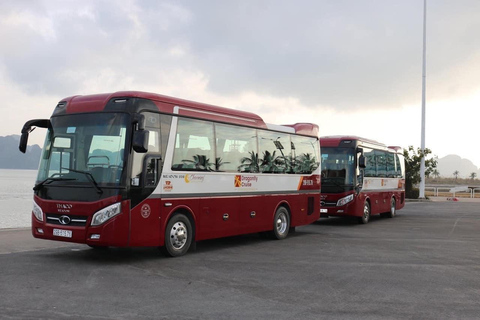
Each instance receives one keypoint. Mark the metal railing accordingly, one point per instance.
(453, 191)
(473, 192)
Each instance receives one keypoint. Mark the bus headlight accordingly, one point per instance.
(345, 200)
(106, 214)
(37, 211)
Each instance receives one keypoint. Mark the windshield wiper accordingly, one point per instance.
(90, 178)
(331, 181)
(39, 185)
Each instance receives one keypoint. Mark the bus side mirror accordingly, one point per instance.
(140, 141)
(140, 135)
(27, 128)
(362, 162)
(139, 119)
(23, 142)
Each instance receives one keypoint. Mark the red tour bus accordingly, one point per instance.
(142, 169)
(360, 178)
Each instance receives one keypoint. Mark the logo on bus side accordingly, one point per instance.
(145, 211)
(194, 178)
(168, 186)
(245, 181)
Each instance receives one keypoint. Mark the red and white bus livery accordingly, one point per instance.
(360, 178)
(142, 169)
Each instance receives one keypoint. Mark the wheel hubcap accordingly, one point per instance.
(281, 223)
(178, 235)
(365, 212)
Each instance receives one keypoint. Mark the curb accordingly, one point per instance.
(418, 200)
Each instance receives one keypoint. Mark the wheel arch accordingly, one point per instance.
(283, 223)
(394, 197)
(188, 212)
(369, 201)
(362, 198)
(286, 205)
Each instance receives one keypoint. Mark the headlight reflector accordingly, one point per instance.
(345, 200)
(106, 214)
(37, 211)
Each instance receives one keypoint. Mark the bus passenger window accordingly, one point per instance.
(194, 146)
(370, 170)
(381, 162)
(391, 165)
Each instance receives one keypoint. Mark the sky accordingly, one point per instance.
(354, 67)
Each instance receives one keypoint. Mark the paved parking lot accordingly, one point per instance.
(423, 264)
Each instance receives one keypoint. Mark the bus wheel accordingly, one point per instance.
(281, 223)
(393, 207)
(366, 214)
(178, 236)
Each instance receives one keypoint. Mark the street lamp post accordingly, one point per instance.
(424, 76)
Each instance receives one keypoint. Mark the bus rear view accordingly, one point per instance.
(361, 178)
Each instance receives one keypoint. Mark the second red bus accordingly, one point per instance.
(361, 178)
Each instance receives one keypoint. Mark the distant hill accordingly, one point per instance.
(451, 163)
(12, 158)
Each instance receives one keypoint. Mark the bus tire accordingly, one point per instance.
(281, 223)
(366, 214)
(393, 208)
(178, 236)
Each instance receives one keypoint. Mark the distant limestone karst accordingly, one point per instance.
(447, 165)
(12, 158)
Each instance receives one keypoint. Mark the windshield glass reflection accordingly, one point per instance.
(85, 148)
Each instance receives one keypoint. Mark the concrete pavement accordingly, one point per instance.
(422, 264)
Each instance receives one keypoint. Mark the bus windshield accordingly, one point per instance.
(84, 148)
(338, 169)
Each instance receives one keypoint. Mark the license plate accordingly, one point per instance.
(323, 210)
(62, 233)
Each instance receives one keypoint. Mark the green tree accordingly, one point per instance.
(412, 168)
(305, 163)
(218, 163)
(269, 163)
(200, 162)
(455, 174)
(473, 175)
(250, 164)
(435, 173)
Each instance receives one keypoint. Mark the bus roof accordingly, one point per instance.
(171, 105)
(335, 141)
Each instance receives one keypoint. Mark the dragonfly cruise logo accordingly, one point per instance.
(245, 181)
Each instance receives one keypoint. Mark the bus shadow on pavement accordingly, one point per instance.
(245, 240)
(105, 256)
(80, 254)
(346, 221)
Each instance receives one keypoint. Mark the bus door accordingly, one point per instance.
(145, 215)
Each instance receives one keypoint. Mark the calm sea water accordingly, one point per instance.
(16, 197)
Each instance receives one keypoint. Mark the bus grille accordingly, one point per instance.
(66, 219)
(327, 204)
